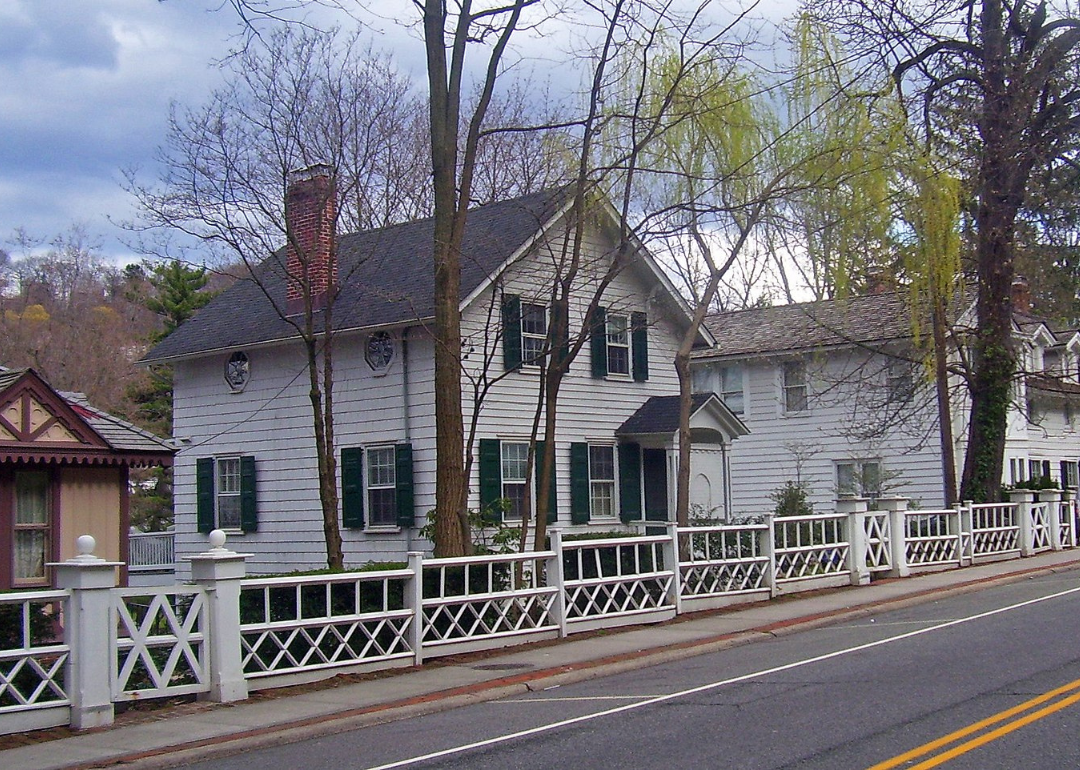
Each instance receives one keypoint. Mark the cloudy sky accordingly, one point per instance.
(85, 88)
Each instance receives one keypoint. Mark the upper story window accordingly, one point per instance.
(725, 380)
(618, 344)
(534, 330)
(32, 527)
(794, 387)
(900, 381)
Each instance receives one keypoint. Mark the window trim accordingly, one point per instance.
(207, 494)
(370, 487)
(611, 346)
(48, 527)
(522, 482)
(612, 483)
(786, 389)
(533, 310)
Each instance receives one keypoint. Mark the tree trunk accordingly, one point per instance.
(941, 385)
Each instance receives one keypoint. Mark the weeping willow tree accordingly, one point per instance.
(933, 269)
(841, 141)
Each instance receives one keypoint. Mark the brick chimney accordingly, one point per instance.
(877, 281)
(1021, 295)
(310, 216)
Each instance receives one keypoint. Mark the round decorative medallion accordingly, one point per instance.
(380, 351)
(237, 371)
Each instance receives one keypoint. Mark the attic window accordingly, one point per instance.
(237, 371)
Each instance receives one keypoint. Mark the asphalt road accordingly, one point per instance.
(978, 670)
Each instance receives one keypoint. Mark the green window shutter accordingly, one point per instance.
(204, 494)
(490, 477)
(403, 470)
(629, 482)
(249, 513)
(560, 326)
(598, 343)
(639, 342)
(553, 495)
(511, 316)
(579, 483)
(352, 487)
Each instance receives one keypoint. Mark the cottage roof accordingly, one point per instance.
(386, 278)
(40, 424)
(875, 318)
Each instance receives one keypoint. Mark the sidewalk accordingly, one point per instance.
(192, 732)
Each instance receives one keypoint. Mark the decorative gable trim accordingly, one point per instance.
(31, 412)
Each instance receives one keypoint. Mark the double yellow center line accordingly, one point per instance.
(1021, 719)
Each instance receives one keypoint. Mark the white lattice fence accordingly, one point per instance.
(319, 622)
(932, 538)
(33, 654)
(723, 560)
(467, 602)
(877, 531)
(995, 530)
(809, 547)
(1040, 527)
(615, 581)
(159, 638)
(1065, 522)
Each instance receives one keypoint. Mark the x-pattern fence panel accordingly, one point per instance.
(994, 529)
(616, 577)
(810, 546)
(932, 537)
(1040, 527)
(723, 559)
(160, 642)
(323, 621)
(485, 597)
(1065, 522)
(33, 651)
(877, 530)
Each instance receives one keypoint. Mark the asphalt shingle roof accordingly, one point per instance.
(386, 278)
(660, 415)
(804, 326)
(119, 434)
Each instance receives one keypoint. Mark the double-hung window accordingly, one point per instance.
(1070, 474)
(900, 382)
(32, 526)
(602, 481)
(225, 493)
(534, 330)
(377, 487)
(514, 460)
(794, 387)
(618, 344)
(382, 486)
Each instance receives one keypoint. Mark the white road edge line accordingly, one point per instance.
(713, 685)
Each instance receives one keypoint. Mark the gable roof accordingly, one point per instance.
(40, 424)
(660, 416)
(386, 278)
(866, 320)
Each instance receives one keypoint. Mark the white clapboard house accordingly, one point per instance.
(834, 401)
(242, 415)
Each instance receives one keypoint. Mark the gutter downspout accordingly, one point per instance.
(405, 409)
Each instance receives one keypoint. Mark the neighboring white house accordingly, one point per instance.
(832, 400)
(242, 415)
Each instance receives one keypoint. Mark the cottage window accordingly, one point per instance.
(794, 386)
(726, 381)
(225, 493)
(900, 382)
(1070, 474)
(382, 486)
(32, 530)
(502, 466)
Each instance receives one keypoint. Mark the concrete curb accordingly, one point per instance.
(533, 681)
